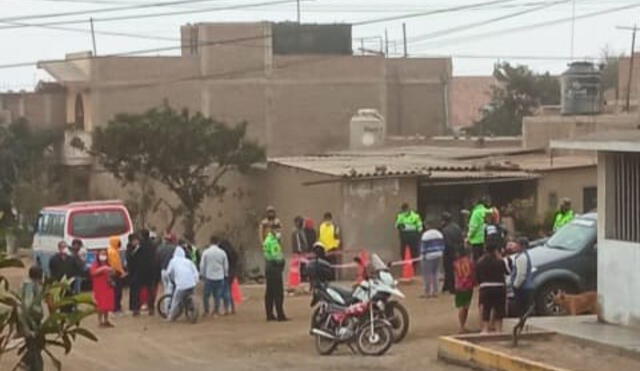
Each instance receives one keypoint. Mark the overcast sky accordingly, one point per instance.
(475, 37)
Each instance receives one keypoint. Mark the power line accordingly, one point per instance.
(154, 15)
(102, 10)
(482, 23)
(156, 50)
(511, 30)
(432, 12)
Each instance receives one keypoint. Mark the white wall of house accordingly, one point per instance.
(618, 261)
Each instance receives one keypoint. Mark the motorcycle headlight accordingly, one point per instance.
(380, 305)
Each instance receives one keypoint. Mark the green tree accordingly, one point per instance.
(29, 331)
(518, 92)
(188, 153)
(26, 165)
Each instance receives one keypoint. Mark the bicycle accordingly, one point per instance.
(187, 306)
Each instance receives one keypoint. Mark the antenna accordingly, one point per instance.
(93, 37)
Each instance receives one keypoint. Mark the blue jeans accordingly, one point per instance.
(217, 289)
(430, 268)
(228, 298)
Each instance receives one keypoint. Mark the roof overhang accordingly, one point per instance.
(609, 141)
(64, 71)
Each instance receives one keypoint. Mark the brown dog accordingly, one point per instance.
(587, 302)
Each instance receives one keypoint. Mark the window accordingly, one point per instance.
(553, 201)
(51, 225)
(102, 223)
(79, 112)
(623, 197)
(589, 199)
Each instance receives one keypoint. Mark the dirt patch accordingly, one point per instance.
(562, 352)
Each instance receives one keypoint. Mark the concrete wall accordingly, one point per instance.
(285, 191)
(369, 211)
(618, 262)
(564, 183)
(537, 131)
(43, 110)
(235, 215)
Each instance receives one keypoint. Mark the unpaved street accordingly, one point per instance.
(247, 342)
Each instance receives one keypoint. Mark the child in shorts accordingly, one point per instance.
(465, 281)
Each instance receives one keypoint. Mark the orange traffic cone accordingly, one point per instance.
(236, 293)
(407, 266)
(294, 272)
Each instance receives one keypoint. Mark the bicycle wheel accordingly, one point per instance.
(190, 309)
(163, 306)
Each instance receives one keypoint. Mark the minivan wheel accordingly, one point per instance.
(544, 298)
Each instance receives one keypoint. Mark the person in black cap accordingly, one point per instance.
(453, 241)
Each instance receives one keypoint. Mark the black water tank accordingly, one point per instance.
(581, 89)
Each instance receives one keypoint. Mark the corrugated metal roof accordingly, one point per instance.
(433, 162)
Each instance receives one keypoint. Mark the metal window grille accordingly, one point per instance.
(625, 198)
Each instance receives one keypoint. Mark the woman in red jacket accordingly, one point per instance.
(103, 292)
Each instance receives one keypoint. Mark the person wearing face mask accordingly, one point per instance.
(61, 264)
(103, 288)
(274, 295)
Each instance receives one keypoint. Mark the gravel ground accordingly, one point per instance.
(246, 341)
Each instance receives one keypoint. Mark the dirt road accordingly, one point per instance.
(247, 342)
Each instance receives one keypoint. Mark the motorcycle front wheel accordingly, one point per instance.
(398, 317)
(374, 340)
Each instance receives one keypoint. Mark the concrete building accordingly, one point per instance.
(296, 85)
(469, 95)
(364, 189)
(43, 108)
(618, 221)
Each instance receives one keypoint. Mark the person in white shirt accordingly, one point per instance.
(214, 268)
(521, 276)
(184, 275)
(431, 250)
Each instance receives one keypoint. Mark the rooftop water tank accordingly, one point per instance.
(581, 89)
(367, 129)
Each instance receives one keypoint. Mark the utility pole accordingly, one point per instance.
(386, 42)
(573, 24)
(634, 29)
(298, 10)
(631, 58)
(93, 38)
(404, 38)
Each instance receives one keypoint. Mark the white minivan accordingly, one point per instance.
(93, 222)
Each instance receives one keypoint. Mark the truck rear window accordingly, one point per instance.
(100, 223)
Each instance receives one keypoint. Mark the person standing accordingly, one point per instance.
(269, 223)
(103, 293)
(61, 264)
(232, 258)
(409, 225)
(490, 273)
(431, 249)
(464, 283)
(80, 272)
(453, 241)
(329, 237)
(214, 268)
(32, 289)
(163, 257)
(521, 276)
(274, 295)
(118, 271)
(142, 273)
(299, 243)
(564, 215)
(475, 233)
(184, 275)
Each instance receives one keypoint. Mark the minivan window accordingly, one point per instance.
(102, 223)
(51, 224)
(574, 236)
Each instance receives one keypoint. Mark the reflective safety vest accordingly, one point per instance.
(409, 221)
(329, 236)
(562, 218)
